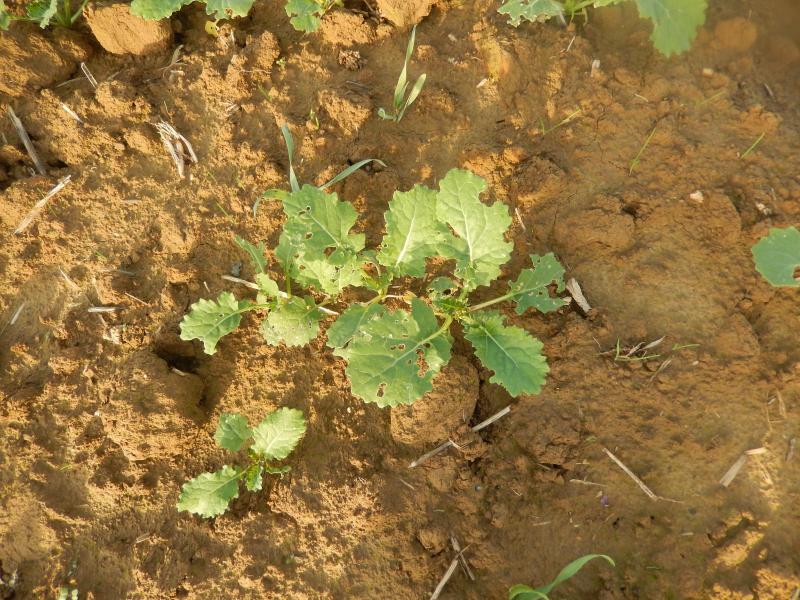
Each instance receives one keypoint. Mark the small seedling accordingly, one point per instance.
(44, 13)
(401, 100)
(306, 15)
(209, 494)
(294, 184)
(777, 256)
(393, 354)
(525, 592)
(675, 22)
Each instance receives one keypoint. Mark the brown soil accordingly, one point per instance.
(104, 416)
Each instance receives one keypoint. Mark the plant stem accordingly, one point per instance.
(502, 298)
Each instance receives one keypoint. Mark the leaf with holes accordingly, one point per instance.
(480, 248)
(351, 322)
(226, 9)
(530, 10)
(294, 321)
(777, 256)
(511, 352)
(209, 320)
(396, 354)
(530, 288)
(278, 434)
(413, 232)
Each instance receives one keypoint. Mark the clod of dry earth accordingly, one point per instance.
(120, 32)
(436, 416)
(404, 13)
(29, 60)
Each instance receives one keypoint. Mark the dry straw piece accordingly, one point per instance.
(37, 208)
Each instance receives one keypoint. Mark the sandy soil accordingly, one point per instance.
(104, 416)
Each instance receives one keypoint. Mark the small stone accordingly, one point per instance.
(708, 72)
(120, 32)
(696, 197)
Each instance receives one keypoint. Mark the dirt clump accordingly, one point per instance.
(404, 13)
(439, 413)
(120, 32)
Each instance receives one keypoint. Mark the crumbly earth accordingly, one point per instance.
(104, 415)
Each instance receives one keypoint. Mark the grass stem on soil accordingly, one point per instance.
(636, 158)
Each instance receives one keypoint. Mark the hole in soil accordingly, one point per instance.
(186, 364)
(57, 164)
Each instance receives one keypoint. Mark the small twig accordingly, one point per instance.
(731, 473)
(89, 75)
(574, 289)
(790, 451)
(636, 158)
(584, 482)
(175, 144)
(632, 475)
(445, 578)
(102, 309)
(72, 113)
(449, 443)
(460, 555)
(37, 208)
(26, 141)
(753, 145)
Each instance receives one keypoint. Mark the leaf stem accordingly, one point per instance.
(502, 298)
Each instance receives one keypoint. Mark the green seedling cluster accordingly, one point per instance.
(44, 13)
(525, 592)
(403, 98)
(392, 353)
(675, 22)
(777, 256)
(273, 439)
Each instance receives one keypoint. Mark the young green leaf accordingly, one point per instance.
(278, 434)
(304, 15)
(396, 354)
(524, 592)
(254, 478)
(256, 253)
(42, 11)
(511, 352)
(226, 9)
(154, 10)
(675, 22)
(350, 322)
(209, 494)
(532, 10)
(267, 288)
(480, 249)
(5, 17)
(530, 288)
(413, 233)
(327, 277)
(209, 320)
(232, 431)
(777, 256)
(294, 321)
(442, 292)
